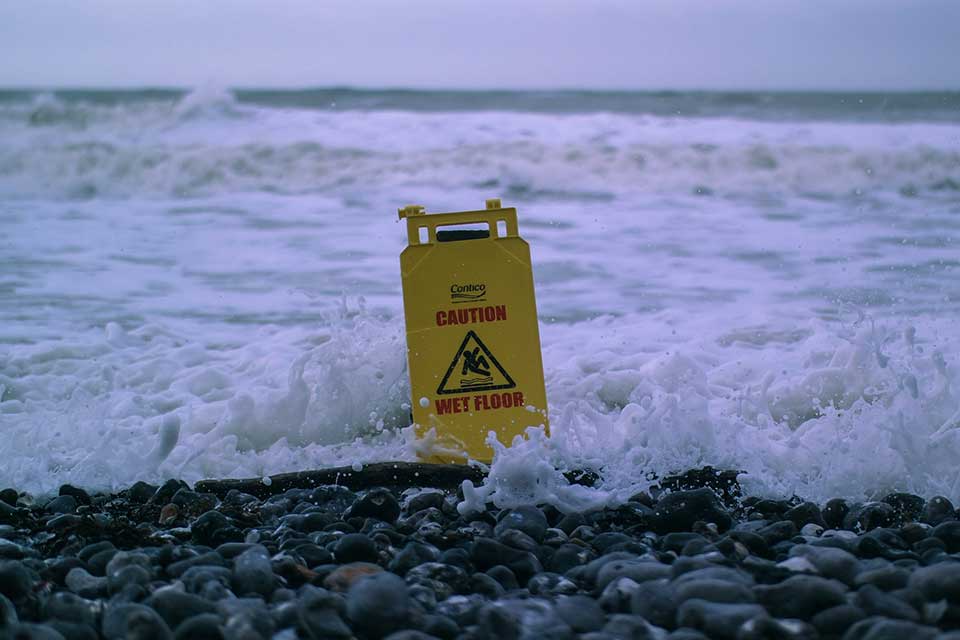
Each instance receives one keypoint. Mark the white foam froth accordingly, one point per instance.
(211, 289)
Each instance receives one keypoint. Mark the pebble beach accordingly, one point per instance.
(698, 561)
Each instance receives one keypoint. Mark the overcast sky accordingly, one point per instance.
(627, 44)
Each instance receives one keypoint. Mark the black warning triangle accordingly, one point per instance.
(474, 369)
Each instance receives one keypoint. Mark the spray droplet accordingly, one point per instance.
(357, 466)
(424, 402)
(267, 480)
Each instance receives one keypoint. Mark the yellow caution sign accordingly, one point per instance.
(473, 344)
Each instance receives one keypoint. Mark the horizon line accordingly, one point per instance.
(435, 89)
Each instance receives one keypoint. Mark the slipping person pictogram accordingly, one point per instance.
(479, 370)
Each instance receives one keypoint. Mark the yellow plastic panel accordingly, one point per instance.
(473, 343)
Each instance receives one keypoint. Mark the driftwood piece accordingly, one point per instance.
(403, 475)
(399, 475)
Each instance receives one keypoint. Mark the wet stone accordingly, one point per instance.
(176, 606)
(62, 504)
(680, 510)
(141, 492)
(801, 596)
(529, 520)
(937, 510)
(355, 547)
(834, 513)
(717, 620)
(949, 533)
(253, 573)
(868, 516)
(16, 581)
(376, 503)
(206, 626)
(378, 604)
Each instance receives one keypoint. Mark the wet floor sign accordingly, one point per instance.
(473, 344)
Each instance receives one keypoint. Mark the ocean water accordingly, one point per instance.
(206, 283)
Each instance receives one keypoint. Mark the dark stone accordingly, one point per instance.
(62, 504)
(831, 563)
(887, 578)
(877, 628)
(376, 503)
(411, 555)
(127, 620)
(441, 627)
(754, 542)
(805, 513)
(801, 596)
(378, 604)
(680, 510)
(91, 550)
(321, 613)
(674, 541)
(253, 573)
(869, 515)
(949, 533)
(205, 626)
(205, 527)
(9, 496)
(355, 547)
(655, 601)
(766, 628)
(167, 491)
(835, 621)
(834, 512)
(518, 540)
(193, 502)
(81, 496)
(82, 583)
(486, 586)
(778, 532)
(176, 606)
(713, 590)
(629, 626)
(568, 556)
(313, 555)
(570, 522)
(914, 532)
(938, 582)
(429, 572)
(30, 631)
(937, 509)
(637, 570)
(457, 557)
(906, 506)
(176, 569)
(16, 582)
(716, 620)
(504, 576)
(877, 603)
(73, 630)
(97, 563)
(141, 492)
(64, 522)
(529, 520)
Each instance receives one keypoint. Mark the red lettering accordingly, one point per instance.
(471, 315)
(518, 399)
(444, 405)
(495, 401)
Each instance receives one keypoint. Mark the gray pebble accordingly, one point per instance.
(378, 604)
